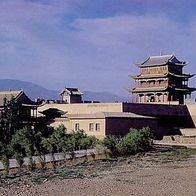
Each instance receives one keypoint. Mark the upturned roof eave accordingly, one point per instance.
(188, 89)
(149, 76)
(182, 75)
(137, 90)
(162, 76)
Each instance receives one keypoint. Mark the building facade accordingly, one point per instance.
(98, 119)
(161, 79)
(103, 119)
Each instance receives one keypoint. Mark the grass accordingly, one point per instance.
(171, 154)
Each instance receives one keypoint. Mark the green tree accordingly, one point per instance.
(5, 154)
(23, 144)
(8, 126)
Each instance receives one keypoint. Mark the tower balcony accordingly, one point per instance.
(152, 84)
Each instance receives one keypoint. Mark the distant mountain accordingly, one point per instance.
(100, 96)
(36, 91)
(32, 90)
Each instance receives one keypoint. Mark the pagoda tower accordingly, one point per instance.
(161, 79)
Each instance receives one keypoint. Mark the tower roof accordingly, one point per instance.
(71, 91)
(17, 95)
(147, 76)
(162, 60)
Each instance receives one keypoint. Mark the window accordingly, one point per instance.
(77, 127)
(97, 127)
(91, 127)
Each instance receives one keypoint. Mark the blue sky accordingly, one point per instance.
(92, 44)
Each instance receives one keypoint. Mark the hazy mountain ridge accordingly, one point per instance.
(100, 96)
(36, 91)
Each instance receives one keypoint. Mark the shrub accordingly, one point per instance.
(135, 141)
(89, 142)
(111, 142)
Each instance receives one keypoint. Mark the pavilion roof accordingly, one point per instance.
(151, 89)
(143, 76)
(162, 89)
(162, 60)
(17, 95)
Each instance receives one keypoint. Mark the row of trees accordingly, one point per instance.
(28, 142)
(39, 139)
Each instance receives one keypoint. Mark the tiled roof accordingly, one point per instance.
(162, 60)
(149, 89)
(143, 76)
(9, 95)
(162, 89)
(19, 96)
(72, 91)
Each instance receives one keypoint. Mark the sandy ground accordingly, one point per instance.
(123, 178)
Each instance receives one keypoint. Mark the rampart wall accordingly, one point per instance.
(170, 117)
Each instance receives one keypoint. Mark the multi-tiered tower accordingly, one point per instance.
(161, 79)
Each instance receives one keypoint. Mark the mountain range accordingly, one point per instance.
(36, 91)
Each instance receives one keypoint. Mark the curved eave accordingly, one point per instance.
(161, 60)
(152, 65)
(180, 64)
(188, 89)
(150, 76)
(182, 75)
(139, 90)
(162, 76)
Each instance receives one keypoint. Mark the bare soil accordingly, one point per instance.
(161, 172)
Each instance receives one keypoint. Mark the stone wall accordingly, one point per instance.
(192, 111)
(170, 117)
(84, 108)
(121, 126)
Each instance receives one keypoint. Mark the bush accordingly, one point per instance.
(111, 142)
(89, 142)
(135, 141)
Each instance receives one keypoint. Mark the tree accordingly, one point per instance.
(8, 126)
(5, 153)
(22, 143)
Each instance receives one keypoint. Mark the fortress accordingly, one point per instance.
(160, 90)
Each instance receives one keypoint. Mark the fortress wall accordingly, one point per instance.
(192, 111)
(156, 109)
(170, 117)
(84, 108)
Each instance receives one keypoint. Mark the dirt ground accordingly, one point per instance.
(151, 174)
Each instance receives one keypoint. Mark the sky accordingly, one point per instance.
(92, 44)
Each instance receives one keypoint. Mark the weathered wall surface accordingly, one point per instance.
(83, 125)
(192, 111)
(170, 117)
(84, 108)
(121, 126)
